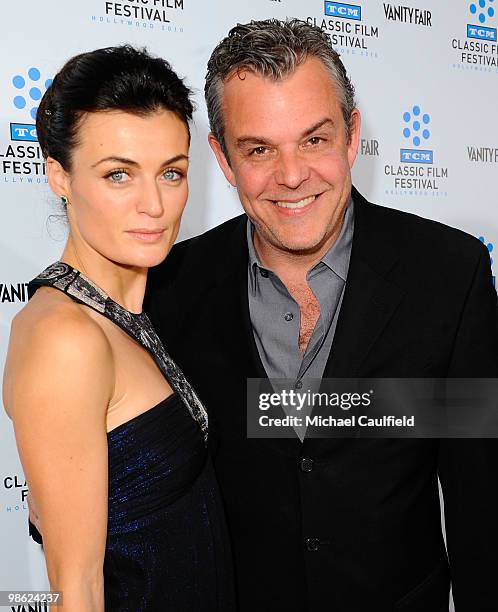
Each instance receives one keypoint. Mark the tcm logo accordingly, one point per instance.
(28, 91)
(489, 246)
(416, 130)
(481, 33)
(23, 132)
(410, 156)
(482, 10)
(344, 11)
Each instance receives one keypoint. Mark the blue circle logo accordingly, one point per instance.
(488, 245)
(418, 125)
(31, 88)
(483, 9)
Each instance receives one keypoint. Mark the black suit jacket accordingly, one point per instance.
(418, 303)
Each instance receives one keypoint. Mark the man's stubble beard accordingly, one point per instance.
(271, 239)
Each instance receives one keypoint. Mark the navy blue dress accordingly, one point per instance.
(167, 547)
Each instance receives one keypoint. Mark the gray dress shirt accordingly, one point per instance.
(275, 315)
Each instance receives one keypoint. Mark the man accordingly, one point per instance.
(321, 283)
(314, 281)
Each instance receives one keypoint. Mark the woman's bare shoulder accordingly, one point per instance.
(52, 339)
(51, 316)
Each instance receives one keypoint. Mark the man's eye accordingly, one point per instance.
(314, 140)
(172, 175)
(260, 150)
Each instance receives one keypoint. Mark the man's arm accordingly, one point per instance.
(468, 468)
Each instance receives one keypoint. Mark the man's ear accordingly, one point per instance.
(58, 178)
(222, 160)
(354, 136)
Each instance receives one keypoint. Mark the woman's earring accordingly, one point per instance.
(64, 200)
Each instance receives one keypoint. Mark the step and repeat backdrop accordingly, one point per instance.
(426, 76)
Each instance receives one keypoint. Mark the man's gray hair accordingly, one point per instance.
(272, 49)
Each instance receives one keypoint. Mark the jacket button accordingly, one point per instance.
(306, 464)
(312, 544)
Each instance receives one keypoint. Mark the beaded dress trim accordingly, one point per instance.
(138, 326)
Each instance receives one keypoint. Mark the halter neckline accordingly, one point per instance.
(72, 282)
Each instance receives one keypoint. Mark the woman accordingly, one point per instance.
(111, 436)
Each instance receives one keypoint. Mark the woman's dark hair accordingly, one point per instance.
(115, 78)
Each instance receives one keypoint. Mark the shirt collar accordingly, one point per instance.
(253, 256)
(336, 258)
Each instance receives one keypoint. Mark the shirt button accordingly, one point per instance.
(288, 316)
(264, 273)
(306, 464)
(312, 544)
(298, 384)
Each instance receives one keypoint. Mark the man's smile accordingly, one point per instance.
(295, 204)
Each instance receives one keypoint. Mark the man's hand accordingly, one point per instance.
(33, 513)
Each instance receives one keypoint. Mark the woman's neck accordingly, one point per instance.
(123, 284)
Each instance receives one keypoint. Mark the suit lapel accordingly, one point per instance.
(369, 302)
(369, 298)
(232, 312)
(234, 322)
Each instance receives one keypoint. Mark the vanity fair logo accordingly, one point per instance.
(162, 15)
(482, 155)
(39, 606)
(408, 14)
(369, 147)
(348, 26)
(13, 293)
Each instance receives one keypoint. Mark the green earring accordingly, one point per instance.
(64, 200)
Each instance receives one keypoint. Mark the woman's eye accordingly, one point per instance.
(118, 176)
(172, 175)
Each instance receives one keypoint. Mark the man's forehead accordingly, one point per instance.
(254, 105)
(250, 73)
(246, 76)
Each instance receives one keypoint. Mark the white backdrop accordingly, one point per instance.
(428, 70)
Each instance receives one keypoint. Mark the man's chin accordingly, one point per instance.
(301, 247)
(305, 243)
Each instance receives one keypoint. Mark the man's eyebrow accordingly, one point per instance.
(326, 121)
(130, 162)
(245, 141)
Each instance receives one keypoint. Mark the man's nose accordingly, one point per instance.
(292, 169)
(151, 199)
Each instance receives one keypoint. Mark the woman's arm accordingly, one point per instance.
(59, 380)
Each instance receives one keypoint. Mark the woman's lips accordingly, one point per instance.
(146, 235)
